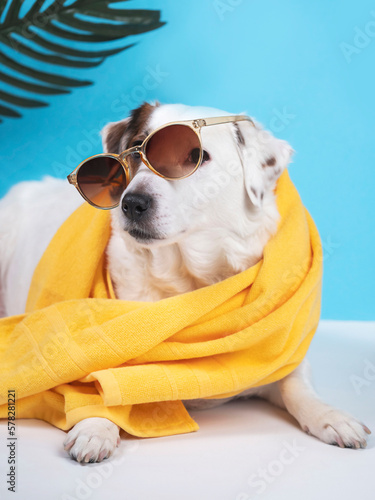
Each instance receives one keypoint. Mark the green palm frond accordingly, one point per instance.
(80, 22)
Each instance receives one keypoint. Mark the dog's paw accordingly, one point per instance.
(338, 428)
(92, 440)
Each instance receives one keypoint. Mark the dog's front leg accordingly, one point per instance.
(329, 424)
(92, 440)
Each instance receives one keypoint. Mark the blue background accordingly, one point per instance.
(282, 62)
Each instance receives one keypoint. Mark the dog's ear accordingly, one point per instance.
(113, 134)
(264, 159)
(118, 135)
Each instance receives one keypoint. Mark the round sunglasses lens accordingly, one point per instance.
(174, 151)
(102, 180)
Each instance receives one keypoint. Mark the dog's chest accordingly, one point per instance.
(151, 274)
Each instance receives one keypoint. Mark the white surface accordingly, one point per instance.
(222, 461)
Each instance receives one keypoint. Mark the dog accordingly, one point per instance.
(195, 232)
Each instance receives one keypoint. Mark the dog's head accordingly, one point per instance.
(230, 189)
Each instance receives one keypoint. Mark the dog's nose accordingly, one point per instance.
(135, 205)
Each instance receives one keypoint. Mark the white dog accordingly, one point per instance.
(170, 237)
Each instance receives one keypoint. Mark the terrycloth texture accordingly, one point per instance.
(78, 353)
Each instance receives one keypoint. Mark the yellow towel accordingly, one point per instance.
(78, 352)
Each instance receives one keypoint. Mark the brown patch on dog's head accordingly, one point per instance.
(112, 135)
(239, 136)
(270, 162)
(118, 136)
(138, 121)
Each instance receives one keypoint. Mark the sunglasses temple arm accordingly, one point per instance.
(206, 122)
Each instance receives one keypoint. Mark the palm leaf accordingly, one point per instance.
(5, 111)
(21, 101)
(12, 14)
(82, 21)
(31, 87)
(3, 4)
(50, 58)
(62, 49)
(42, 75)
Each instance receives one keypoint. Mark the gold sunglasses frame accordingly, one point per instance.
(195, 125)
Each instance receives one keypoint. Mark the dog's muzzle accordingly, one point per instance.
(138, 209)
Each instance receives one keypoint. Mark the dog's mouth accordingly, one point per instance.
(143, 236)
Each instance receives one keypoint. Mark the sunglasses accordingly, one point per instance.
(173, 151)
